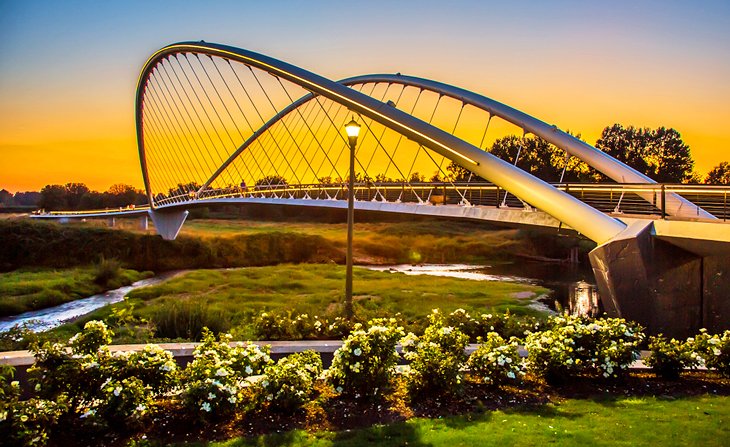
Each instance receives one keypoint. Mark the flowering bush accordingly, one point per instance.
(288, 326)
(94, 335)
(29, 422)
(366, 361)
(289, 383)
(215, 378)
(436, 358)
(496, 361)
(154, 366)
(123, 403)
(669, 356)
(714, 350)
(506, 324)
(577, 345)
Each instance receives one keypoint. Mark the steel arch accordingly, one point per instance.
(583, 218)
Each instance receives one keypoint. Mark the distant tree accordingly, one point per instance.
(271, 181)
(92, 200)
(123, 195)
(53, 198)
(660, 154)
(27, 198)
(719, 175)
(6, 197)
(457, 173)
(542, 159)
(416, 178)
(74, 193)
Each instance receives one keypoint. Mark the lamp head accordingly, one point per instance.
(353, 130)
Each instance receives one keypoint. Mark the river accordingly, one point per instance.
(45, 319)
(572, 286)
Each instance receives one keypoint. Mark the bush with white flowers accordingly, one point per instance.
(436, 358)
(577, 345)
(215, 380)
(670, 356)
(714, 350)
(365, 362)
(154, 366)
(123, 403)
(292, 326)
(289, 383)
(496, 361)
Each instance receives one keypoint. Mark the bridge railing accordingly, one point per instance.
(607, 197)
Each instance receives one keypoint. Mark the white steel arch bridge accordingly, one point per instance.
(218, 124)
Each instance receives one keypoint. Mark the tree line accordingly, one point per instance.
(75, 196)
(659, 153)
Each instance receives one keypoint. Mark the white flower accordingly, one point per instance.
(211, 396)
(357, 352)
(338, 389)
(117, 390)
(511, 375)
(140, 407)
(205, 407)
(248, 369)
(221, 372)
(88, 413)
(232, 399)
(716, 351)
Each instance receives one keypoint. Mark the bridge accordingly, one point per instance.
(219, 124)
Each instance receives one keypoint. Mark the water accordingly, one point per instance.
(45, 319)
(572, 287)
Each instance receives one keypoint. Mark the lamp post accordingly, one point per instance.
(352, 129)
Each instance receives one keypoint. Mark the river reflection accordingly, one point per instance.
(572, 288)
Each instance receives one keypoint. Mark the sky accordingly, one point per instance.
(68, 69)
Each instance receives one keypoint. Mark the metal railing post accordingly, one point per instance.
(664, 208)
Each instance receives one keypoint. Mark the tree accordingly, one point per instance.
(660, 154)
(53, 198)
(6, 198)
(542, 159)
(719, 175)
(74, 193)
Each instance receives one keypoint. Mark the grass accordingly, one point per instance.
(421, 240)
(228, 299)
(633, 421)
(26, 290)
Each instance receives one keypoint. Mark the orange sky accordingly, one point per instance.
(68, 71)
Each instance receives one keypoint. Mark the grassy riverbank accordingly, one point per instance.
(599, 421)
(228, 300)
(26, 290)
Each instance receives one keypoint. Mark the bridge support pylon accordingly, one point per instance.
(664, 287)
(168, 222)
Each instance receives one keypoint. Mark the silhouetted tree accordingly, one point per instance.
(660, 154)
(27, 198)
(74, 193)
(6, 198)
(719, 175)
(53, 198)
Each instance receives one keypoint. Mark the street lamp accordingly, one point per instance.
(353, 130)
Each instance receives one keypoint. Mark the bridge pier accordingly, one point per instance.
(144, 223)
(111, 222)
(664, 287)
(168, 222)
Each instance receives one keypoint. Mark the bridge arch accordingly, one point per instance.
(583, 218)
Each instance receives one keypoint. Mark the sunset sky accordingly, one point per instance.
(68, 69)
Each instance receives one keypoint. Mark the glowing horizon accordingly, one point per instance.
(69, 70)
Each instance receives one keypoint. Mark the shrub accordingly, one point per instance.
(670, 356)
(124, 403)
(714, 350)
(496, 361)
(188, 319)
(30, 422)
(214, 380)
(291, 326)
(364, 364)
(289, 383)
(154, 366)
(95, 334)
(436, 358)
(577, 345)
(106, 271)
(506, 324)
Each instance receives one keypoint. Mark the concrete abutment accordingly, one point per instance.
(665, 288)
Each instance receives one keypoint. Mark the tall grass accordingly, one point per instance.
(186, 320)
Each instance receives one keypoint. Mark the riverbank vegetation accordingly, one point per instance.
(220, 243)
(85, 395)
(26, 290)
(233, 300)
